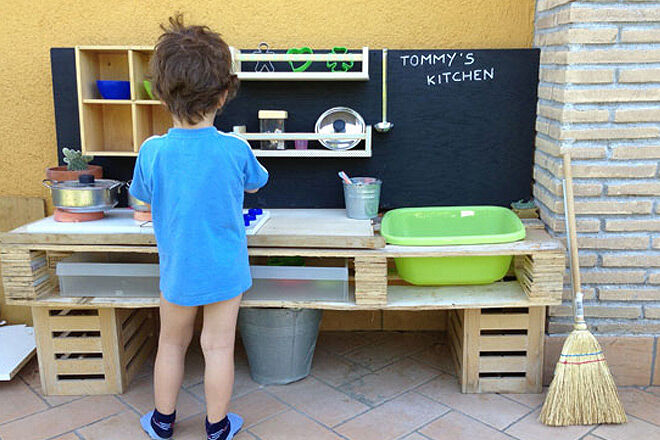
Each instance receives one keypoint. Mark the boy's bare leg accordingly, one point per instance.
(217, 341)
(176, 329)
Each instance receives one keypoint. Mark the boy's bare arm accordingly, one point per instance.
(251, 191)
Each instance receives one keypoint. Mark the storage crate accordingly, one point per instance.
(25, 274)
(108, 275)
(298, 283)
(498, 350)
(91, 351)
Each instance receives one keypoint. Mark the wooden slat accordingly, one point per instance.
(136, 344)
(503, 385)
(110, 341)
(502, 364)
(133, 325)
(504, 321)
(74, 323)
(78, 387)
(77, 345)
(79, 366)
(489, 343)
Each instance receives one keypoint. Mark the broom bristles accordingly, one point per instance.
(582, 391)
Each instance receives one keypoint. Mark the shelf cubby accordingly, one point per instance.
(139, 62)
(150, 120)
(106, 128)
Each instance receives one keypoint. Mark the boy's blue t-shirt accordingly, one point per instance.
(195, 180)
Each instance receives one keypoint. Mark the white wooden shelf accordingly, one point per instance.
(106, 101)
(362, 57)
(353, 152)
(110, 153)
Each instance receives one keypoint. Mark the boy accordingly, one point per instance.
(194, 178)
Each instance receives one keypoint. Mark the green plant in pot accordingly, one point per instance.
(76, 164)
(525, 209)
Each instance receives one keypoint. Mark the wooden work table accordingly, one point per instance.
(507, 316)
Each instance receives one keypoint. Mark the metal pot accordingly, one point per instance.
(137, 204)
(84, 195)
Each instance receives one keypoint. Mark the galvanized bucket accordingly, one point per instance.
(362, 197)
(279, 343)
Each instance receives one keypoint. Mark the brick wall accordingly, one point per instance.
(599, 97)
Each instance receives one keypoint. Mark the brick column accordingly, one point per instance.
(599, 97)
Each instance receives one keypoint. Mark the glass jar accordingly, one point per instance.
(272, 121)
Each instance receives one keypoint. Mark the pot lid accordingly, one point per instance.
(84, 182)
(340, 120)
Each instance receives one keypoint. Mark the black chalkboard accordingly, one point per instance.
(463, 133)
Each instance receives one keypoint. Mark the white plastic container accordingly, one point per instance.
(108, 275)
(298, 283)
(272, 121)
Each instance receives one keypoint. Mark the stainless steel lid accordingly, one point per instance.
(340, 120)
(96, 185)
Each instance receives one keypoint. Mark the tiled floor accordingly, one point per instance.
(363, 386)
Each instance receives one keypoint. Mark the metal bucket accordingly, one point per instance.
(362, 197)
(279, 343)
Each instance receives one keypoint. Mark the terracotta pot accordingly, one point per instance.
(61, 173)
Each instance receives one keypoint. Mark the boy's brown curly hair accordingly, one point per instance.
(191, 70)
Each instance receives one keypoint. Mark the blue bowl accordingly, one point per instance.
(114, 89)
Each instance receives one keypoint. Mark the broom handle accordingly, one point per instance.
(571, 227)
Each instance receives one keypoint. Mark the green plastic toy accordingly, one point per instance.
(345, 65)
(300, 51)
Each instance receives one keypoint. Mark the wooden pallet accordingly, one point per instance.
(25, 274)
(498, 350)
(91, 351)
(541, 276)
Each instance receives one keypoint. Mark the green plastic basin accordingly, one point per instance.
(453, 225)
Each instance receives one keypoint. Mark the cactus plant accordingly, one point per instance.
(75, 161)
(522, 204)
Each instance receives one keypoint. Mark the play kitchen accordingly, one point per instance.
(338, 228)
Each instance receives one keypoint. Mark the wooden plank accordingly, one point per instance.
(110, 341)
(503, 385)
(79, 366)
(74, 323)
(137, 361)
(503, 343)
(135, 344)
(45, 354)
(504, 321)
(90, 344)
(76, 387)
(470, 361)
(536, 338)
(502, 364)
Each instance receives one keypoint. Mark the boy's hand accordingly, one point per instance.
(251, 191)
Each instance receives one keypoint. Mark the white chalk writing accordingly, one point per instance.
(448, 60)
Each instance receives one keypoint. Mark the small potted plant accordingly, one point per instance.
(525, 209)
(76, 164)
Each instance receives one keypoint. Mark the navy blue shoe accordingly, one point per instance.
(145, 422)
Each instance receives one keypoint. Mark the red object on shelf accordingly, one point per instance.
(62, 215)
(142, 216)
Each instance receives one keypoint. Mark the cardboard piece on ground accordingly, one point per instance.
(17, 346)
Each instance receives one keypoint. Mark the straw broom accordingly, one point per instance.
(582, 391)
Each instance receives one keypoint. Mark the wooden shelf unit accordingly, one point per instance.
(239, 57)
(117, 127)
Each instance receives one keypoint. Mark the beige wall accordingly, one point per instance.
(31, 28)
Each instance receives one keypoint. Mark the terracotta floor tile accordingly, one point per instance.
(140, 396)
(397, 378)
(342, 342)
(256, 407)
(319, 401)
(18, 400)
(69, 436)
(30, 373)
(193, 429)
(531, 400)
(292, 426)
(194, 369)
(243, 383)
(375, 356)
(492, 409)
(65, 418)
(393, 419)
(334, 369)
(438, 356)
(415, 436)
(653, 390)
(456, 426)
(530, 428)
(634, 429)
(120, 427)
(643, 405)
